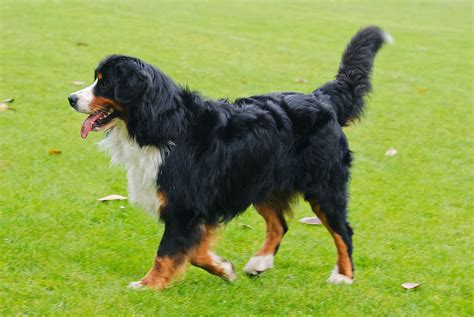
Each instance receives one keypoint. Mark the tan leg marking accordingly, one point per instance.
(204, 258)
(161, 273)
(263, 259)
(274, 230)
(344, 264)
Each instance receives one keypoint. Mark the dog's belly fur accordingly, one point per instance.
(142, 164)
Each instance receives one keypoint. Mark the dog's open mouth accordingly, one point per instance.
(98, 120)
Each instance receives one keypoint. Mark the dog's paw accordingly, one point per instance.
(337, 278)
(258, 264)
(136, 285)
(229, 273)
(226, 266)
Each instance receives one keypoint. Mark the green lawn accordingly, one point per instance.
(62, 252)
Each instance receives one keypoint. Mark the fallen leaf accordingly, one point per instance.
(410, 285)
(301, 80)
(3, 107)
(54, 152)
(81, 44)
(78, 82)
(421, 90)
(112, 197)
(246, 226)
(8, 100)
(391, 152)
(311, 220)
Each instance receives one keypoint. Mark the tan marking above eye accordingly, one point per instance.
(99, 76)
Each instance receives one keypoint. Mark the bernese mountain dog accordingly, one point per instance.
(198, 163)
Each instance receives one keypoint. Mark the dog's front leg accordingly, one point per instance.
(161, 273)
(179, 240)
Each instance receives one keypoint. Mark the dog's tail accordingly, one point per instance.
(352, 83)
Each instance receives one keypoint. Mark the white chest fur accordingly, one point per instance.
(142, 164)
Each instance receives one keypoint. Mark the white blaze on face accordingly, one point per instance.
(84, 98)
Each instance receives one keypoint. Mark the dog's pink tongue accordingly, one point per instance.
(87, 125)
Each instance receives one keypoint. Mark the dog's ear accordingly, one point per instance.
(133, 81)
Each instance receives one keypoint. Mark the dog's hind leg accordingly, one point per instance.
(335, 221)
(203, 257)
(273, 213)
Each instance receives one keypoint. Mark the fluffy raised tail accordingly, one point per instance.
(352, 83)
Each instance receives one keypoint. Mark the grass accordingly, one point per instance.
(64, 253)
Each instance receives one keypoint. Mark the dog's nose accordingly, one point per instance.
(72, 100)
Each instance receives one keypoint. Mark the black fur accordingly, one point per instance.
(229, 155)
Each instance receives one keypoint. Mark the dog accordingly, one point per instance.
(197, 163)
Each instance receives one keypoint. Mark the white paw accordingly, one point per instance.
(135, 285)
(337, 278)
(229, 273)
(226, 266)
(258, 264)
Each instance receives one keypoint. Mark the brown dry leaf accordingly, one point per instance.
(421, 90)
(3, 107)
(78, 82)
(112, 197)
(54, 152)
(246, 226)
(410, 285)
(301, 80)
(391, 152)
(311, 220)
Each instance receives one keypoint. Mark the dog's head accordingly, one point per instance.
(128, 89)
(119, 83)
